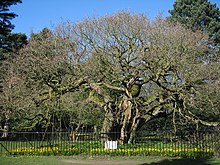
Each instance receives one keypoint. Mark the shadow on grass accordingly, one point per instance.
(185, 162)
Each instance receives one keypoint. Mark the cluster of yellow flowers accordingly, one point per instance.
(35, 150)
(125, 151)
(162, 150)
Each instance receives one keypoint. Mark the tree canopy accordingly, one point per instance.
(6, 16)
(131, 69)
(5, 20)
(10, 43)
(205, 16)
(198, 15)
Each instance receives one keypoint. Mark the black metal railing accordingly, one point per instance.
(193, 145)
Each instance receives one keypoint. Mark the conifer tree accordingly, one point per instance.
(198, 15)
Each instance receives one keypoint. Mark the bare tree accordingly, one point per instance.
(133, 69)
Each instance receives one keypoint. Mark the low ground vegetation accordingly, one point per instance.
(41, 144)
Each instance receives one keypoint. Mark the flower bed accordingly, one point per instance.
(123, 150)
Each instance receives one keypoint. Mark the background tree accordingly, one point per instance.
(5, 23)
(6, 16)
(9, 45)
(198, 15)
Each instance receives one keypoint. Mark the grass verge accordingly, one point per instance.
(83, 160)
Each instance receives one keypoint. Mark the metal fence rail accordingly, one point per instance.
(192, 145)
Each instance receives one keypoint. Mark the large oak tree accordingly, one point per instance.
(132, 69)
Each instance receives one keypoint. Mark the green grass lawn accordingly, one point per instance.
(52, 160)
(213, 161)
(28, 160)
(32, 160)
